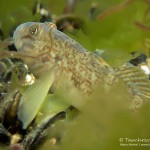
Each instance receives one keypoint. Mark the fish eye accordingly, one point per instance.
(33, 30)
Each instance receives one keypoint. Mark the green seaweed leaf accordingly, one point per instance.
(34, 96)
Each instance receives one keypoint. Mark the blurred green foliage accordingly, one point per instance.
(114, 33)
(105, 118)
(104, 121)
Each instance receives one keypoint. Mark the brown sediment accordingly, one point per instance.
(114, 9)
(141, 26)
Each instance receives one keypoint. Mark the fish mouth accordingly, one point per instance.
(20, 32)
(16, 43)
(16, 39)
(19, 39)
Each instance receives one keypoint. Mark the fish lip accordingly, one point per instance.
(17, 36)
(16, 40)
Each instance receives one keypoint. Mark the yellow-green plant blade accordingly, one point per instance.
(53, 103)
(34, 96)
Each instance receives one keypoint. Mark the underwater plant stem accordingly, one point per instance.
(141, 26)
(114, 9)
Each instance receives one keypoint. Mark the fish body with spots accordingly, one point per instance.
(44, 46)
(63, 63)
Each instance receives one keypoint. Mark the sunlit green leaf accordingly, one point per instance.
(34, 96)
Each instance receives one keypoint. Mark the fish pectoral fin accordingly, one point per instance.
(136, 80)
(34, 96)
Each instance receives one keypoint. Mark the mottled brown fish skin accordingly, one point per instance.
(46, 46)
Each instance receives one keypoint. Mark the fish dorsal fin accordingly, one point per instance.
(98, 58)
